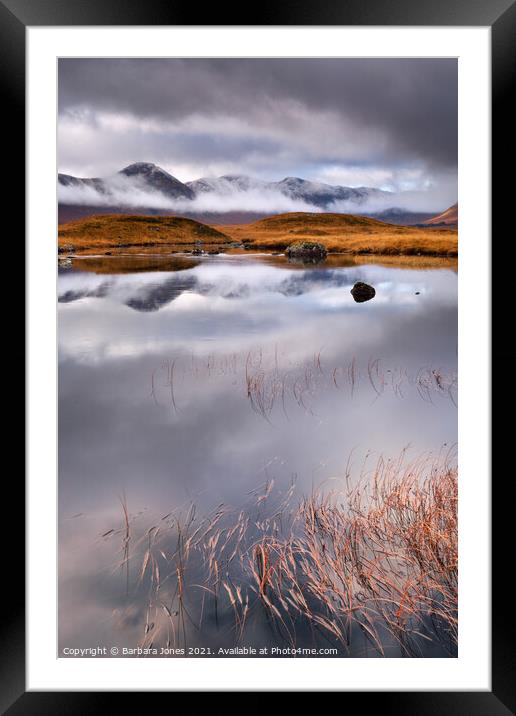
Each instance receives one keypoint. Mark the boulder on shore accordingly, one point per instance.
(306, 250)
(362, 292)
(66, 249)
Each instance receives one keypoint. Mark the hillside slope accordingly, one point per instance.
(450, 217)
(140, 175)
(345, 233)
(124, 230)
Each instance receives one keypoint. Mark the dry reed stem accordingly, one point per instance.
(378, 557)
(267, 384)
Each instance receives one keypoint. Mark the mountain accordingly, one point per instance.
(314, 193)
(402, 217)
(141, 175)
(146, 188)
(450, 218)
(156, 178)
(228, 184)
(70, 181)
(323, 195)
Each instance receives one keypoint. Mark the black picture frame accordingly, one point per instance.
(500, 16)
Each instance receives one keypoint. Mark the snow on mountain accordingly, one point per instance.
(136, 184)
(229, 184)
(315, 193)
(322, 195)
(70, 181)
(157, 178)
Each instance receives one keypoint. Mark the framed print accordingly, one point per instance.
(258, 263)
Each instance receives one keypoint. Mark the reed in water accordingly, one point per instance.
(374, 561)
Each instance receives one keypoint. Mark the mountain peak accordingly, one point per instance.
(159, 179)
(293, 180)
(140, 168)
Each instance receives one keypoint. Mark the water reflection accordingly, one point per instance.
(201, 382)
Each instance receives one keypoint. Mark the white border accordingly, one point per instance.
(471, 670)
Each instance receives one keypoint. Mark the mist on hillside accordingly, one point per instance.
(129, 193)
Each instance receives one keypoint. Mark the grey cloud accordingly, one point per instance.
(267, 117)
(413, 100)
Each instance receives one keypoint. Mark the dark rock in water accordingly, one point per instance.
(66, 249)
(306, 250)
(362, 292)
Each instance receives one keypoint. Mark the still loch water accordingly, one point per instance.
(208, 381)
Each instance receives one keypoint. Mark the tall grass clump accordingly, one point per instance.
(370, 567)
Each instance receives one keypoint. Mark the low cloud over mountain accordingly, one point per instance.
(145, 186)
(385, 124)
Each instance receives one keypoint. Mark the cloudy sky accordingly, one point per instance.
(385, 123)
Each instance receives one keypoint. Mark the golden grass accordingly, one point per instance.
(344, 233)
(125, 231)
(409, 261)
(375, 561)
(341, 233)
